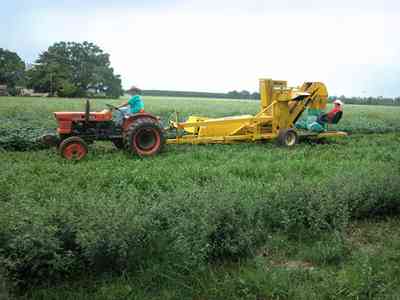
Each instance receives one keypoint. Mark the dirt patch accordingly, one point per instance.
(298, 264)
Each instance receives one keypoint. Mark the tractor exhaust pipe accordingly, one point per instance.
(87, 112)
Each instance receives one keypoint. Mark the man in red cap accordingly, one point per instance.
(338, 106)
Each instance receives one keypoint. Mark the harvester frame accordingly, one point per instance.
(281, 107)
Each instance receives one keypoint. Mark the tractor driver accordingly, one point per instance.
(133, 106)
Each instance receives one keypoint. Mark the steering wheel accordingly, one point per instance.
(112, 106)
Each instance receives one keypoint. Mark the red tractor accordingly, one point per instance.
(141, 133)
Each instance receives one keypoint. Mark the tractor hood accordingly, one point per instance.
(102, 116)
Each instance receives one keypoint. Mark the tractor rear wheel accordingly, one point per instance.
(145, 137)
(287, 137)
(73, 148)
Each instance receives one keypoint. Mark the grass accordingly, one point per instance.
(364, 265)
(239, 221)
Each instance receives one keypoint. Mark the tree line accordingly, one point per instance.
(369, 100)
(230, 95)
(65, 69)
(256, 96)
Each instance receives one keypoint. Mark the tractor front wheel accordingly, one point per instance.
(145, 137)
(287, 137)
(73, 148)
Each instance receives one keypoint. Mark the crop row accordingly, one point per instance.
(186, 208)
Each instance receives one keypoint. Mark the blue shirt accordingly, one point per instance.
(135, 104)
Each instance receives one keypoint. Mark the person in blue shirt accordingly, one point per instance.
(135, 103)
(133, 106)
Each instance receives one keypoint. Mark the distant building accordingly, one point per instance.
(3, 90)
(21, 91)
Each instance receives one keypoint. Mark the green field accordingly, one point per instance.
(244, 221)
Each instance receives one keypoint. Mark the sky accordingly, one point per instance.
(353, 46)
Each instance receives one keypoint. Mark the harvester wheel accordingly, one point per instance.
(145, 137)
(73, 148)
(287, 137)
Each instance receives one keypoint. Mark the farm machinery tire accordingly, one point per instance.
(145, 137)
(287, 137)
(73, 148)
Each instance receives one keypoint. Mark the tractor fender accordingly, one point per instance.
(131, 119)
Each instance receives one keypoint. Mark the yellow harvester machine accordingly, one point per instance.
(281, 107)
